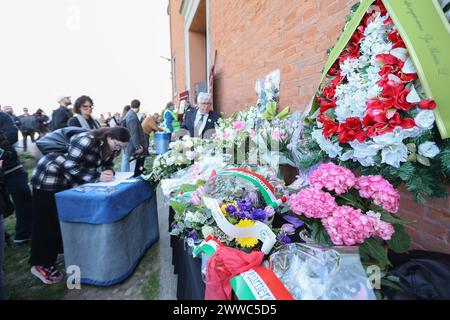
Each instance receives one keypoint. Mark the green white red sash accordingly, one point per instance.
(259, 284)
(209, 246)
(266, 189)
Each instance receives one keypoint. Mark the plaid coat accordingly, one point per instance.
(81, 164)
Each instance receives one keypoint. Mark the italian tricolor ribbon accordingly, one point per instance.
(266, 189)
(259, 284)
(209, 246)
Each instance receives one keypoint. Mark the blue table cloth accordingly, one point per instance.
(97, 207)
(107, 234)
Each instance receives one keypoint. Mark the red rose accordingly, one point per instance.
(326, 105)
(408, 77)
(377, 122)
(374, 116)
(379, 104)
(391, 89)
(329, 128)
(336, 81)
(334, 68)
(349, 130)
(397, 121)
(350, 53)
(329, 92)
(396, 39)
(427, 104)
(390, 64)
(400, 101)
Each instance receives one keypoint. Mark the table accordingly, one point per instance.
(190, 284)
(107, 232)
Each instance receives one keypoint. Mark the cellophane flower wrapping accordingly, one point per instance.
(311, 272)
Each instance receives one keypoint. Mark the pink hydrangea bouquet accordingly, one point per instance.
(345, 210)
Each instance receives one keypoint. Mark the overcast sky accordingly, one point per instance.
(107, 49)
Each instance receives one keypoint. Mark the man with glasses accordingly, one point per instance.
(61, 116)
(201, 122)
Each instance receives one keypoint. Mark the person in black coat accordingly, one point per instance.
(200, 122)
(40, 123)
(61, 115)
(16, 179)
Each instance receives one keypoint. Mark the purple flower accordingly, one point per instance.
(259, 215)
(231, 210)
(244, 215)
(193, 234)
(251, 196)
(294, 220)
(245, 205)
(288, 228)
(270, 211)
(284, 239)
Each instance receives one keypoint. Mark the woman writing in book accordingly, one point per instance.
(88, 159)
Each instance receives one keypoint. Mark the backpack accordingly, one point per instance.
(59, 140)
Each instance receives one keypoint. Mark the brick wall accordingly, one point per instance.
(432, 228)
(254, 37)
(177, 45)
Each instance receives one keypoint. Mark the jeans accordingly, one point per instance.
(2, 246)
(17, 185)
(126, 165)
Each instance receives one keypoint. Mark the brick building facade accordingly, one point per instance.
(247, 39)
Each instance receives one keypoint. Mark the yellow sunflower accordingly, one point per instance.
(246, 242)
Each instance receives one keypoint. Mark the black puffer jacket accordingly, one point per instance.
(8, 154)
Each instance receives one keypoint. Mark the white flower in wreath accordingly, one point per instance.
(429, 149)
(393, 151)
(425, 119)
(364, 153)
(333, 150)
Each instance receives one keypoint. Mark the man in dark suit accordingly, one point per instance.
(138, 146)
(200, 122)
(61, 115)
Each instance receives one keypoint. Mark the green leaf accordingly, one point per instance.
(188, 188)
(423, 160)
(319, 234)
(400, 241)
(375, 250)
(271, 110)
(392, 219)
(283, 114)
(179, 208)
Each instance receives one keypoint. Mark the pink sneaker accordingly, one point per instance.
(47, 275)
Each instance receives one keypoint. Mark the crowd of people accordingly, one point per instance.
(88, 158)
